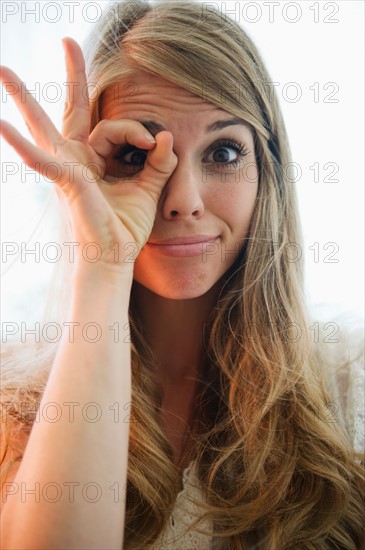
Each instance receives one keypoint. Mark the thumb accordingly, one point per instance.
(159, 165)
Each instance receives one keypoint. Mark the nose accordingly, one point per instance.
(181, 197)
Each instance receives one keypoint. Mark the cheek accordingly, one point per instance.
(234, 203)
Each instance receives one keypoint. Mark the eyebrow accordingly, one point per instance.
(154, 127)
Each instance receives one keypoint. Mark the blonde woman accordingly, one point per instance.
(193, 417)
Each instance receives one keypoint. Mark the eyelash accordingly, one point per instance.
(239, 148)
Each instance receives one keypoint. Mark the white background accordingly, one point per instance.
(298, 47)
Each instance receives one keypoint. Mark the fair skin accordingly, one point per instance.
(82, 373)
(175, 295)
(169, 199)
(197, 199)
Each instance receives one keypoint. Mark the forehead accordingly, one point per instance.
(146, 94)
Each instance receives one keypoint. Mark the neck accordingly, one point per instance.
(174, 331)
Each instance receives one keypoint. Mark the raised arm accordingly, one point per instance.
(69, 491)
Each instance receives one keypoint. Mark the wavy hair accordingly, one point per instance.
(275, 473)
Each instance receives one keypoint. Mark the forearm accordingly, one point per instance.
(88, 444)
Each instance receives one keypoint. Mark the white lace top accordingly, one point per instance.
(347, 385)
(183, 514)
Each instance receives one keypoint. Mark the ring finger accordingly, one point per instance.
(39, 124)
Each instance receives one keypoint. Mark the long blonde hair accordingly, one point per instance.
(275, 473)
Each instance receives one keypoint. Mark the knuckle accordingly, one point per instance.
(102, 123)
(67, 108)
(172, 162)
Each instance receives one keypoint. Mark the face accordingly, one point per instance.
(211, 192)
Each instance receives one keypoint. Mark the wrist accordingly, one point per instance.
(99, 273)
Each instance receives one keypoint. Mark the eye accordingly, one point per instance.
(131, 157)
(221, 155)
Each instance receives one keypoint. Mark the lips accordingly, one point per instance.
(188, 239)
(185, 247)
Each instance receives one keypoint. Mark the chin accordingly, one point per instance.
(176, 284)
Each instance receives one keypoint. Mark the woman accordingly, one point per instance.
(211, 414)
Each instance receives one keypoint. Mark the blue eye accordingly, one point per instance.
(132, 158)
(221, 154)
(138, 156)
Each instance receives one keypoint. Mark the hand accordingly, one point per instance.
(94, 218)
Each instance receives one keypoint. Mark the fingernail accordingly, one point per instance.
(149, 137)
